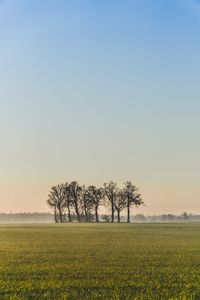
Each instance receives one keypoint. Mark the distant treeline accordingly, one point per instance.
(138, 218)
(74, 202)
(184, 217)
(26, 218)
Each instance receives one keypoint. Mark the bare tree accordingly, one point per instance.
(87, 204)
(76, 194)
(95, 198)
(51, 202)
(120, 203)
(110, 190)
(68, 201)
(57, 200)
(132, 197)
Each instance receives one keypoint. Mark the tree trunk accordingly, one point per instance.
(96, 214)
(77, 212)
(128, 212)
(118, 216)
(69, 214)
(55, 216)
(60, 215)
(112, 219)
(86, 215)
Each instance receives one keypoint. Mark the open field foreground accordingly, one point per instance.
(100, 261)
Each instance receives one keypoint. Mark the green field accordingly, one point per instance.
(100, 261)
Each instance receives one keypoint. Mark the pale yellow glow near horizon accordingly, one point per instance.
(31, 198)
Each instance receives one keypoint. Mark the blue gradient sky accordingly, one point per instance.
(99, 90)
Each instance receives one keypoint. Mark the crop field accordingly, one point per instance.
(100, 261)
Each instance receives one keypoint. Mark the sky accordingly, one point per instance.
(96, 91)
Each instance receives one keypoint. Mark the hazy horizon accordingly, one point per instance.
(96, 91)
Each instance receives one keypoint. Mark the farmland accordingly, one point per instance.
(100, 261)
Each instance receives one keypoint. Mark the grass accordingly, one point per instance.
(100, 261)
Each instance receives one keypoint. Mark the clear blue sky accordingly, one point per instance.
(99, 90)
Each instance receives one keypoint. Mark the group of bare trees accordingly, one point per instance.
(72, 201)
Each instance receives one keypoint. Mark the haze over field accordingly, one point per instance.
(96, 91)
